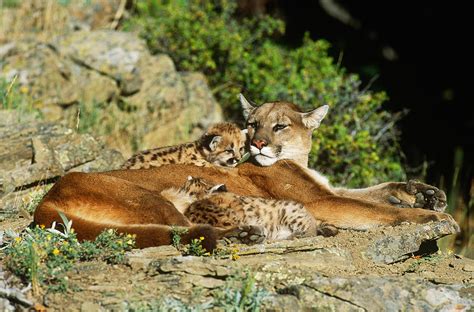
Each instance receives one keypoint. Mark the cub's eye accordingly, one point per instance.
(231, 151)
(252, 125)
(242, 150)
(279, 127)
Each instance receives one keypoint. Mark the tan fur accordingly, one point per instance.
(280, 219)
(223, 144)
(294, 142)
(130, 200)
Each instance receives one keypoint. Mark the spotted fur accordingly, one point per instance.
(223, 144)
(213, 205)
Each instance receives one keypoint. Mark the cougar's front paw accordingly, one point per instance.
(427, 196)
(423, 216)
(415, 194)
(246, 234)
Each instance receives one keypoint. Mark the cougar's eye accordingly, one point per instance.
(279, 127)
(242, 150)
(252, 125)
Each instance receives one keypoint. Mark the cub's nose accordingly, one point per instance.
(259, 143)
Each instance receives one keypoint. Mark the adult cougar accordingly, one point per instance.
(130, 200)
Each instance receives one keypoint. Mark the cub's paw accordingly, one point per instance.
(415, 194)
(246, 234)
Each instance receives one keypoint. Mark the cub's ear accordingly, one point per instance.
(247, 107)
(218, 188)
(211, 141)
(190, 178)
(313, 119)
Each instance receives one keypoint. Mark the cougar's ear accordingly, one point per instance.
(247, 107)
(244, 132)
(313, 119)
(190, 178)
(210, 141)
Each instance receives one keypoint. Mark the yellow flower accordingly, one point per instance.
(235, 257)
(17, 239)
(42, 226)
(24, 89)
(201, 238)
(129, 236)
(48, 237)
(56, 251)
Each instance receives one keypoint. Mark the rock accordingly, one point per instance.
(391, 249)
(91, 307)
(469, 267)
(192, 265)
(114, 54)
(11, 298)
(205, 282)
(55, 82)
(370, 293)
(139, 259)
(37, 153)
(26, 17)
(94, 78)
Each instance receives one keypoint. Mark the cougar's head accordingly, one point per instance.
(280, 130)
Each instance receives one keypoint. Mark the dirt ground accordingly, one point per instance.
(160, 273)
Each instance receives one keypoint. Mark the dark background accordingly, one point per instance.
(418, 51)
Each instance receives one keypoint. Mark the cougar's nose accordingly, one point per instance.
(259, 143)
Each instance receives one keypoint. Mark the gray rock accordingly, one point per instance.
(141, 258)
(37, 153)
(111, 75)
(370, 293)
(114, 54)
(394, 248)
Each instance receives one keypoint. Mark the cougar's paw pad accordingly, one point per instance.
(246, 234)
(426, 196)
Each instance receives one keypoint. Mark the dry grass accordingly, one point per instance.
(44, 19)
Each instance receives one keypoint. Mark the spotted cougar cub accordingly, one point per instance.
(202, 202)
(222, 144)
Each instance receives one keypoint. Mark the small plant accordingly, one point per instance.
(35, 199)
(195, 248)
(244, 158)
(228, 252)
(176, 233)
(43, 256)
(240, 293)
(113, 245)
(421, 260)
(15, 97)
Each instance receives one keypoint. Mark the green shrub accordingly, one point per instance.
(43, 256)
(357, 143)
